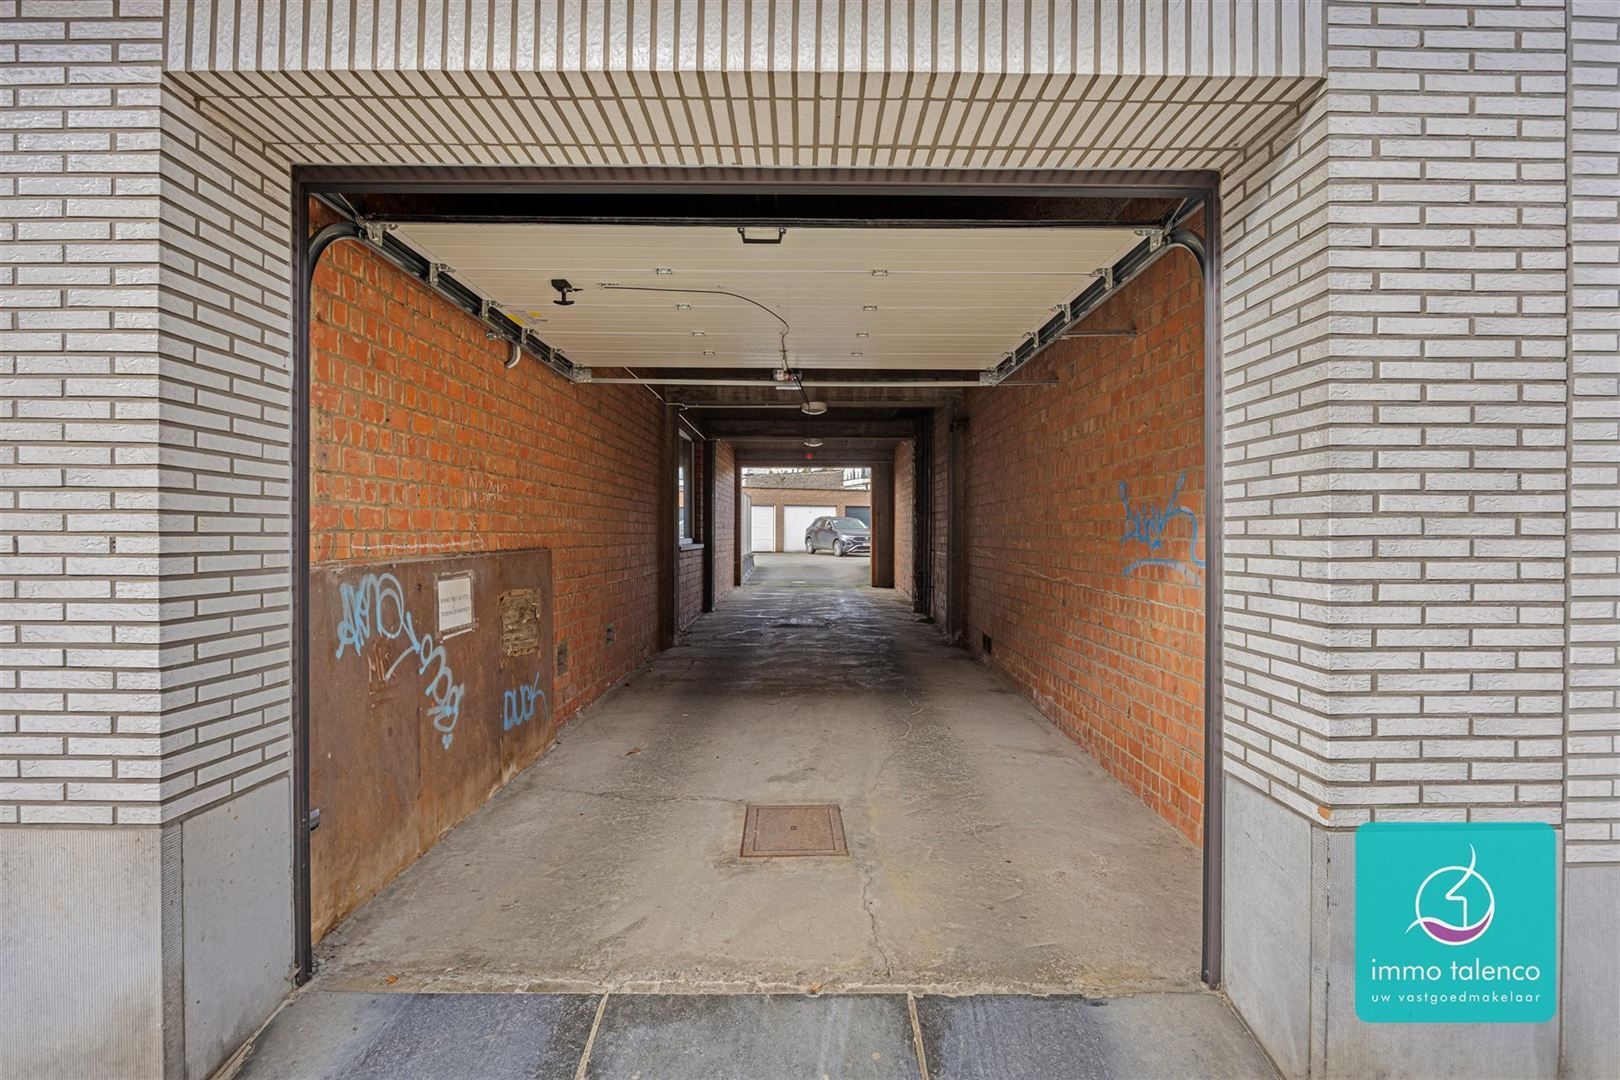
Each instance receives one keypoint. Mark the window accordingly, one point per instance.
(686, 490)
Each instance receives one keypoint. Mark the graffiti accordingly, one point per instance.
(1148, 524)
(519, 704)
(376, 608)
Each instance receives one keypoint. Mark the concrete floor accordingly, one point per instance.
(987, 852)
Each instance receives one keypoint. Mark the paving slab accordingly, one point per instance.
(1008, 1037)
(754, 1037)
(359, 1036)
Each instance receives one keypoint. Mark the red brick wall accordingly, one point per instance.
(905, 503)
(423, 443)
(1111, 653)
(725, 519)
(691, 605)
(939, 595)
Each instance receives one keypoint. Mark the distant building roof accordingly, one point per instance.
(798, 480)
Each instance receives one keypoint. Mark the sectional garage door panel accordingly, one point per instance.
(763, 527)
(796, 519)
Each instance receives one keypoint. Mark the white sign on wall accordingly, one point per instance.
(455, 604)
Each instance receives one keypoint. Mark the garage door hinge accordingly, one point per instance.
(1155, 238)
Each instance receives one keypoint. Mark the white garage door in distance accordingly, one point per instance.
(764, 528)
(796, 519)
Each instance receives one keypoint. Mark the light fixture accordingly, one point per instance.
(813, 408)
(812, 443)
(880, 273)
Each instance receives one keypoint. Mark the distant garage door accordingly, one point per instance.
(763, 519)
(796, 519)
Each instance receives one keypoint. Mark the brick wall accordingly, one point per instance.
(724, 540)
(905, 507)
(423, 443)
(939, 553)
(1096, 612)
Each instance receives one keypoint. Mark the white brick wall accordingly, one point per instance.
(80, 641)
(1398, 427)
(1592, 833)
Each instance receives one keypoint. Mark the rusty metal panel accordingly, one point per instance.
(424, 700)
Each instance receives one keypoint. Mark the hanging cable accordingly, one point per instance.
(786, 329)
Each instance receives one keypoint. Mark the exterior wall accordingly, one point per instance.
(905, 510)
(939, 553)
(691, 585)
(724, 541)
(1396, 206)
(841, 499)
(424, 443)
(1109, 647)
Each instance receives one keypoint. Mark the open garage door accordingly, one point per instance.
(672, 365)
(796, 520)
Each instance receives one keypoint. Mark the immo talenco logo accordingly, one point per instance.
(1457, 878)
(1456, 922)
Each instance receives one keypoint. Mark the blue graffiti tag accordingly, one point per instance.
(1149, 524)
(518, 705)
(376, 606)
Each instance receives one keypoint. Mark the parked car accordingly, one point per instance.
(840, 535)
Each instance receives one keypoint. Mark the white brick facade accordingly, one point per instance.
(1421, 323)
(1399, 486)
(1592, 832)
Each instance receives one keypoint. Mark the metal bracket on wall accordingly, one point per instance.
(1109, 280)
(438, 276)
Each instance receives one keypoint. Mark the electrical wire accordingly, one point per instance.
(786, 329)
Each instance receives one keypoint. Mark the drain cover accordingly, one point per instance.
(793, 830)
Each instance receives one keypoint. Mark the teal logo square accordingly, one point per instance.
(1456, 922)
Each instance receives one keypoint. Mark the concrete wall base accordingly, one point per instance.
(144, 951)
(1289, 929)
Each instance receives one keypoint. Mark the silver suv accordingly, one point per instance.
(839, 535)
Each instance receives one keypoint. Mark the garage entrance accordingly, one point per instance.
(1008, 717)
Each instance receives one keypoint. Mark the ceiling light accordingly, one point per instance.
(880, 273)
(812, 443)
(662, 271)
(813, 408)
